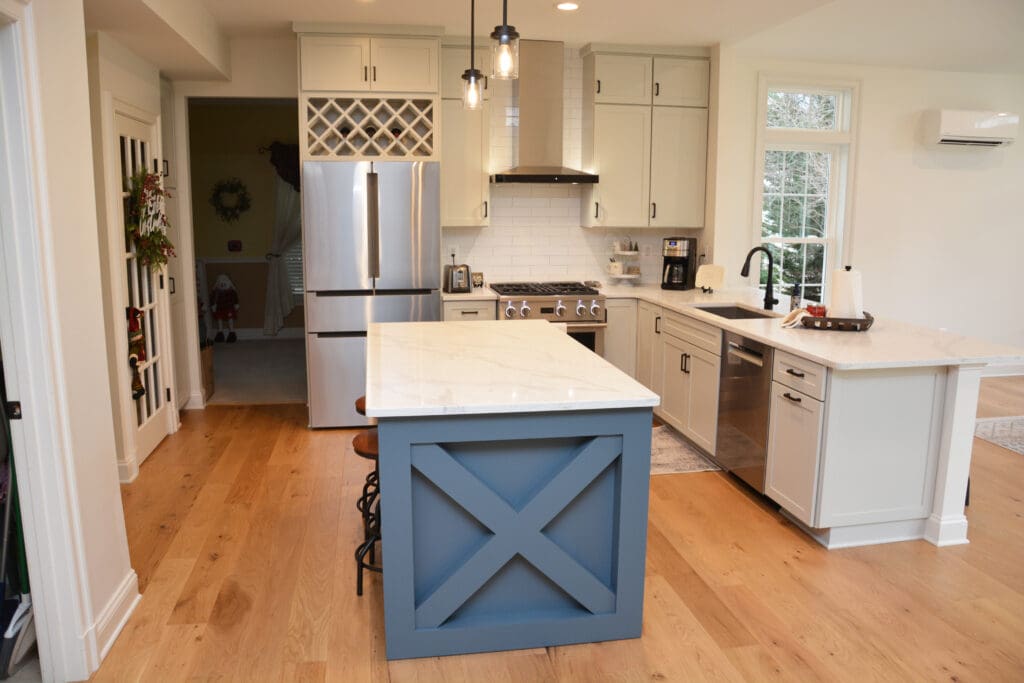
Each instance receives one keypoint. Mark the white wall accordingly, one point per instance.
(63, 158)
(534, 231)
(937, 232)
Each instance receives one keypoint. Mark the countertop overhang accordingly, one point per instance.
(465, 368)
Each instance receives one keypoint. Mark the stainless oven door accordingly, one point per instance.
(590, 335)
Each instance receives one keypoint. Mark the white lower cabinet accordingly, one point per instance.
(471, 310)
(648, 346)
(620, 336)
(794, 447)
(690, 390)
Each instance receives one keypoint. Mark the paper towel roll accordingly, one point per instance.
(847, 297)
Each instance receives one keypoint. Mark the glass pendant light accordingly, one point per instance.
(505, 48)
(472, 79)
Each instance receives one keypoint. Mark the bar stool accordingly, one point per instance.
(365, 445)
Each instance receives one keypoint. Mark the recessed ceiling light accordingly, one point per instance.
(567, 6)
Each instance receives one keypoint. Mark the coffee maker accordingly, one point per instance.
(679, 270)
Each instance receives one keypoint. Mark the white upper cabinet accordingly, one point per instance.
(465, 146)
(681, 82)
(679, 149)
(403, 64)
(363, 64)
(455, 60)
(621, 156)
(645, 133)
(621, 79)
(334, 62)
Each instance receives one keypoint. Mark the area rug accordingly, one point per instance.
(672, 454)
(1007, 432)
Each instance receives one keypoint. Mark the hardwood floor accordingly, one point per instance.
(242, 528)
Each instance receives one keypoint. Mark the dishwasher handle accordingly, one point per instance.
(745, 354)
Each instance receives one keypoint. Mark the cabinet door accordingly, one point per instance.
(465, 146)
(702, 370)
(681, 82)
(679, 150)
(455, 60)
(404, 64)
(676, 387)
(334, 63)
(648, 345)
(622, 158)
(620, 337)
(620, 79)
(794, 440)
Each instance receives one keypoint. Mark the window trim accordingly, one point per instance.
(840, 141)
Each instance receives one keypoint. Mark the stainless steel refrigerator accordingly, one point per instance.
(372, 252)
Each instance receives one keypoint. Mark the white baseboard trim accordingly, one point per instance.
(250, 333)
(196, 401)
(127, 471)
(101, 635)
(867, 534)
(1002, 370)
(943, 531)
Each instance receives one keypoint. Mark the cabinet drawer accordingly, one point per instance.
(700, 334)
(470, 310)
(800, 374)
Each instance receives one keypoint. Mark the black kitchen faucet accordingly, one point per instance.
(769, 295)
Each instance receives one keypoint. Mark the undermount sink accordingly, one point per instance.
(736, 312)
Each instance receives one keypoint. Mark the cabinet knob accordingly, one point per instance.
(654, 210)
(485, 208)
(657, 89)
(599, 86)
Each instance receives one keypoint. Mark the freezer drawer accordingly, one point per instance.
(337, 377)
(327, 312)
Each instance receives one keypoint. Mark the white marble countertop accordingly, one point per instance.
(460, 368)
(476, 294)
(888, 344)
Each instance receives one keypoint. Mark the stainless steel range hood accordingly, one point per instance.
(540, 119)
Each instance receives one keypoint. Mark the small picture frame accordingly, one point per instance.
(478, 280)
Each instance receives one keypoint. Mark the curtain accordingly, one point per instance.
(287, 231)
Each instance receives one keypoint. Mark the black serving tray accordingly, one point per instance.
(839, 324)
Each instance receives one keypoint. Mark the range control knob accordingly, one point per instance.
(595, 308)
(510, 310)
(581, 309)
(559, 309)
(524, 311)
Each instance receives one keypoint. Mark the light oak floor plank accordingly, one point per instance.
(242, 528)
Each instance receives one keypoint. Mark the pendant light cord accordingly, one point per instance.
(504, 13)
(472, 38)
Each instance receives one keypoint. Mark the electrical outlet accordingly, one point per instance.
(453, 251)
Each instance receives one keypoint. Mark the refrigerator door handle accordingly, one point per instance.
(373, 223)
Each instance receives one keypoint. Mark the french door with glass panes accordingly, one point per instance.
(148, 419)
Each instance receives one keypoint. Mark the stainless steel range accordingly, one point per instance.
(580, 307)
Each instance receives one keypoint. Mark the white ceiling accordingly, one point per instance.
(949, 35)
(646, 22)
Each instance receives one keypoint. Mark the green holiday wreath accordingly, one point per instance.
(146, 224)
(230, 199)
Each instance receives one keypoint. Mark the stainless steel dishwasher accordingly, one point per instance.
(743, 402)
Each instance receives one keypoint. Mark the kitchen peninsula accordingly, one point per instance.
(514, 469)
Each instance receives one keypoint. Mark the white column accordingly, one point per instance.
(947, 524)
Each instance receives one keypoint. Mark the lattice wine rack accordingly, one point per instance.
(359, 127)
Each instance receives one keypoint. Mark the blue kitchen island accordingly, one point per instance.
(514, 472)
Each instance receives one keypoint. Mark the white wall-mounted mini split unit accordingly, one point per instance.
(971, 128)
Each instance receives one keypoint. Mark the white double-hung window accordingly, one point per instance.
(804, 159)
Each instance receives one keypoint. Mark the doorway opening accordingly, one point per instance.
(246, 222)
